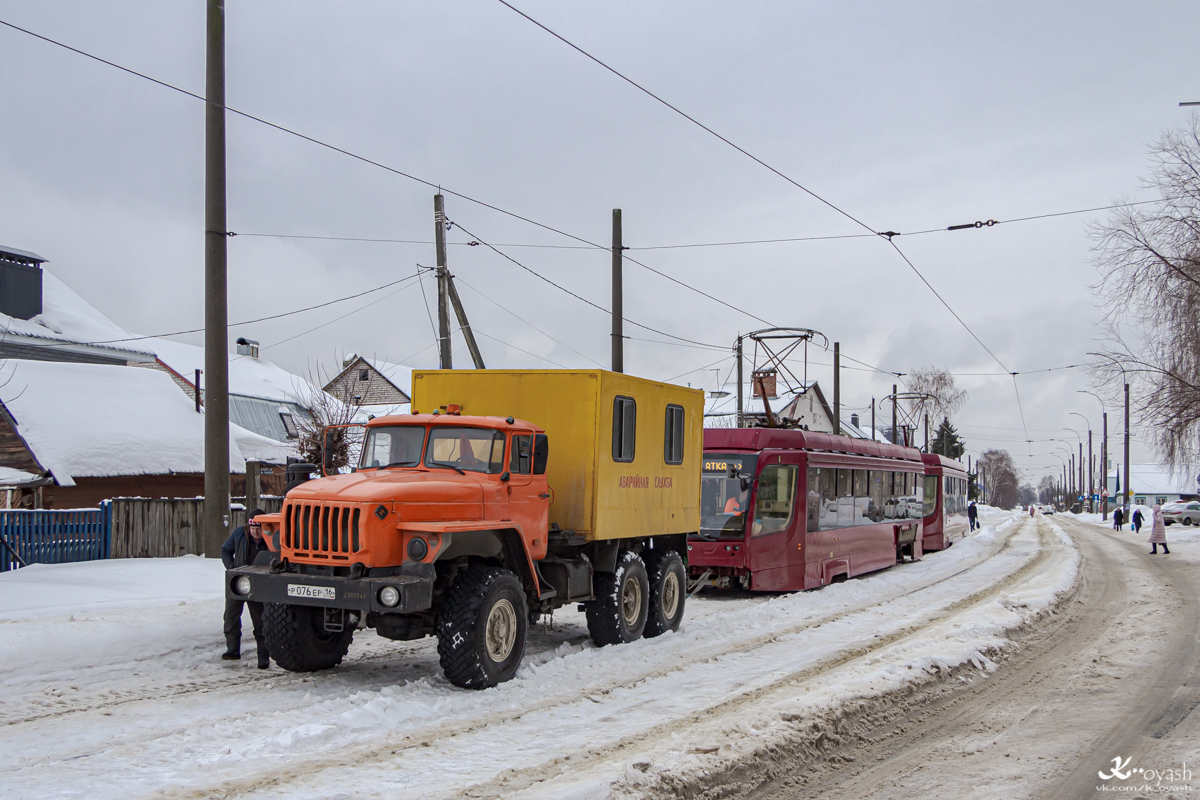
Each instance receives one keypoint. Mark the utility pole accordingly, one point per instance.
(465, 326)
(216, 311)
(1091, 474)
(445, 358)
(1080, 462)
(1104, 468)
(739, 380)
(894, 414)
(618, 310)
(837, 389)
(872, 419)
(927, 432)
(1125, 490)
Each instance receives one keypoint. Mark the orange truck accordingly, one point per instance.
(462, 524)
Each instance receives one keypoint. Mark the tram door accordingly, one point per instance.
(777, 527)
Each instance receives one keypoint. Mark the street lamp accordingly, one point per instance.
(1090, 482)
(1103, 452)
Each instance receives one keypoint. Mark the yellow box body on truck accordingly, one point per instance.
(625, 452)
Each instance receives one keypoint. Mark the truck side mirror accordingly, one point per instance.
(504, 476)
(541, 453)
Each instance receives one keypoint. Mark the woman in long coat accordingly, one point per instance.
(1158, 532)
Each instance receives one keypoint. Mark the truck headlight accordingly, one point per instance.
(241, 585)
(389, 596)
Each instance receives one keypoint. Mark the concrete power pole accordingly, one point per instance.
(216, 311)
(1125, 489)
(894, 414)
(1091, 475)
(618, 310)
(1104, 468)
(445, 358)
(837, 389)
(739, 381)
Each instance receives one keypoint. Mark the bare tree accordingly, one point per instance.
(999, 478)
(1149, 262)
(934, 394)
(328, 410)
(1047, 489)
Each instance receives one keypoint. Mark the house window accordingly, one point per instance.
(624, 428)
(289, 424)
(673, 435)
(364, 375)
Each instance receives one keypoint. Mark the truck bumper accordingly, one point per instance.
(328, 591)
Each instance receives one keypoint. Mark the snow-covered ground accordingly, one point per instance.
(113, 687)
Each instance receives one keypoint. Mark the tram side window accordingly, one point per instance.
(879, 508)
(822, 499)
(776, 499)
(845, 498)
(862, 497)
(929, 501)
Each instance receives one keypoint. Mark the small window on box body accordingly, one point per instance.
(624, 428)
(673, 435)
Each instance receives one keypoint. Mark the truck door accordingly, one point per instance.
(529, 504)
(777, 527)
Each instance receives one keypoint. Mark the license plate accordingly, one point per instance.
(312, 592)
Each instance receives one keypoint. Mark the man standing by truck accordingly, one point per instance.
(241, 549)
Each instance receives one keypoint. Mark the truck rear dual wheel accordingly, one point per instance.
(618, 614)
(668, 591)
(297, 639)
(482, 623)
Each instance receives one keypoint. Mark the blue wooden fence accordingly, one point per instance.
(54, 537)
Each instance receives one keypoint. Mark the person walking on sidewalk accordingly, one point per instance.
(241, 549)
(1137, 519)
(1118, 519)
(1158, 532)
(973, 516)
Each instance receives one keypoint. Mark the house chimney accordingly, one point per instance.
(247, 347)
(20, 283)
(854, 420)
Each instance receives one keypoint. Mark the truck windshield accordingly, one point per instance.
(466, 449)
(393, 446)
(725, 495)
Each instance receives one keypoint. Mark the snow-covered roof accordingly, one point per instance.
(727, 404)
(251, 377)
(1155, 479)
(91, 420)
(67, 317)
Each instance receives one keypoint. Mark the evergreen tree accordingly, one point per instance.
(947, 442)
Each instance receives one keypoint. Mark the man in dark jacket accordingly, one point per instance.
(973, 515)
(243, 547)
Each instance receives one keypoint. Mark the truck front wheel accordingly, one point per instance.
(298, 639)
(481, 627)
(618, 614)
(668, 590)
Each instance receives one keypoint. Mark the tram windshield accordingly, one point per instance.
(725, 495)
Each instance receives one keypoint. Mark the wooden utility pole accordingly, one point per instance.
(445, 358)
(926, 432)
(739, 381)
(837, 389)
(618, 311)
(464, 326)
(253, 487)
(872, 419)
(1125, 489)
(894, 414)
(216, 311)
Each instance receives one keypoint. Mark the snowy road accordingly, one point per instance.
(123, 697)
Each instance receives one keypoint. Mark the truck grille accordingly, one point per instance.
(321, 531)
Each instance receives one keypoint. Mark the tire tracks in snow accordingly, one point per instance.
(355, 756)
(516, 781)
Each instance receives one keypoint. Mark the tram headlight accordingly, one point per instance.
(389, 596)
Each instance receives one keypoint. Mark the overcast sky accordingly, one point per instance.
(907, 116)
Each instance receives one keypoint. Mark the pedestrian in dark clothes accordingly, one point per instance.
(242, 548)
(1119, 519)
(973, 516)
(1138, 519)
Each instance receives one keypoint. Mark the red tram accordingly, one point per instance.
(862, 508)
(945, 498)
